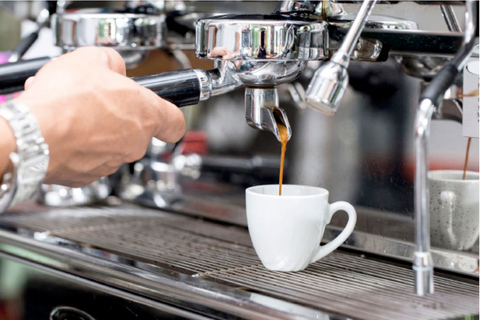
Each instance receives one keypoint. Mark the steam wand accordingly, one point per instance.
(330, 81)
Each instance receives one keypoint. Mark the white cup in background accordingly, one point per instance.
(454, 209)
(286, 230)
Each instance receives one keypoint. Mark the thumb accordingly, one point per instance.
(29, 82)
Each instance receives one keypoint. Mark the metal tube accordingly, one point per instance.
(450, 18)
(353, 34)
(431, 97)
(471, 26)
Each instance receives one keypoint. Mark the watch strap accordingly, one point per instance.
(30, 161)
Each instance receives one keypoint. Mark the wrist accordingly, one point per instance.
(29, 159)
(7, 146)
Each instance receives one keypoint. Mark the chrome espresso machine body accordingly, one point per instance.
(166, 237)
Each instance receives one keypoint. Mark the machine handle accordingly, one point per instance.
(14, 75)
(182, 87)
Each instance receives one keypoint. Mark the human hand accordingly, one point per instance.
(93, 118)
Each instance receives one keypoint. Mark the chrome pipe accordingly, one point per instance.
(422, 261)
(450, 18)
(330, 81)
(431, 98)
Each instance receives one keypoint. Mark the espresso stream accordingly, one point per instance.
(466, 158)
(283, 140)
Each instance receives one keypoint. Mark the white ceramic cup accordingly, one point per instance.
(286, 230)
(454, 209)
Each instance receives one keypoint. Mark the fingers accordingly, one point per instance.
(107, 56)
(168, 120)
(171, 124)
(115, 61)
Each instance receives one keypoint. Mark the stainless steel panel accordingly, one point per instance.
(351, 284)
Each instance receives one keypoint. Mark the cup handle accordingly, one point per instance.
(322, 251)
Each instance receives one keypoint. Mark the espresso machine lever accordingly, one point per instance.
(430, 99)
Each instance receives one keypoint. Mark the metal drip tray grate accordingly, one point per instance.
(343, 283)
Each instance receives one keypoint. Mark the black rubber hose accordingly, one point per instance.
(440, 83)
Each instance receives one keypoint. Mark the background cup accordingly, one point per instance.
(454, 209)
(286, 230)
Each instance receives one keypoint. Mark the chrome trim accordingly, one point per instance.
(381, 23)
(160, 284)
(223, 78)
(265, 37)
(76, 313)
(262, 111)
(450, 18)
(122, 31)
(465, 263)
(106, 289)
(330, 81)
(205, 84)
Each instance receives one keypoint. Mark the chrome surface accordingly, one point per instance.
(222, 79)
(424, 67)
(268, 74)
(153, 183)
(262, 111)
(61, 196)
(330, 81)
(122, 31)
(176, 287)
(423, 264)
(379, 23)
(266, 37)
(319, 8)
(57, 281)
(205, 84)
(327, 87)
(186, 261)
(69, 312)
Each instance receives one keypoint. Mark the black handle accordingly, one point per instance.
(13, 75)
(182, 87)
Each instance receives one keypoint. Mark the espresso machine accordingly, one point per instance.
(356, 84)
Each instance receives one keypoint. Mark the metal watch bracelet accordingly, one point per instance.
(30, 161)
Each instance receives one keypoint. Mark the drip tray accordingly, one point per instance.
(345, 283)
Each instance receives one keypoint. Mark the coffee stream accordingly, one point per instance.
(466, 158)
(283, 140)
(474, 93)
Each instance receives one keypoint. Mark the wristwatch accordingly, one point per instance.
(30, 161)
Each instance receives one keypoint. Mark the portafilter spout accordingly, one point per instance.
(262, 111)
